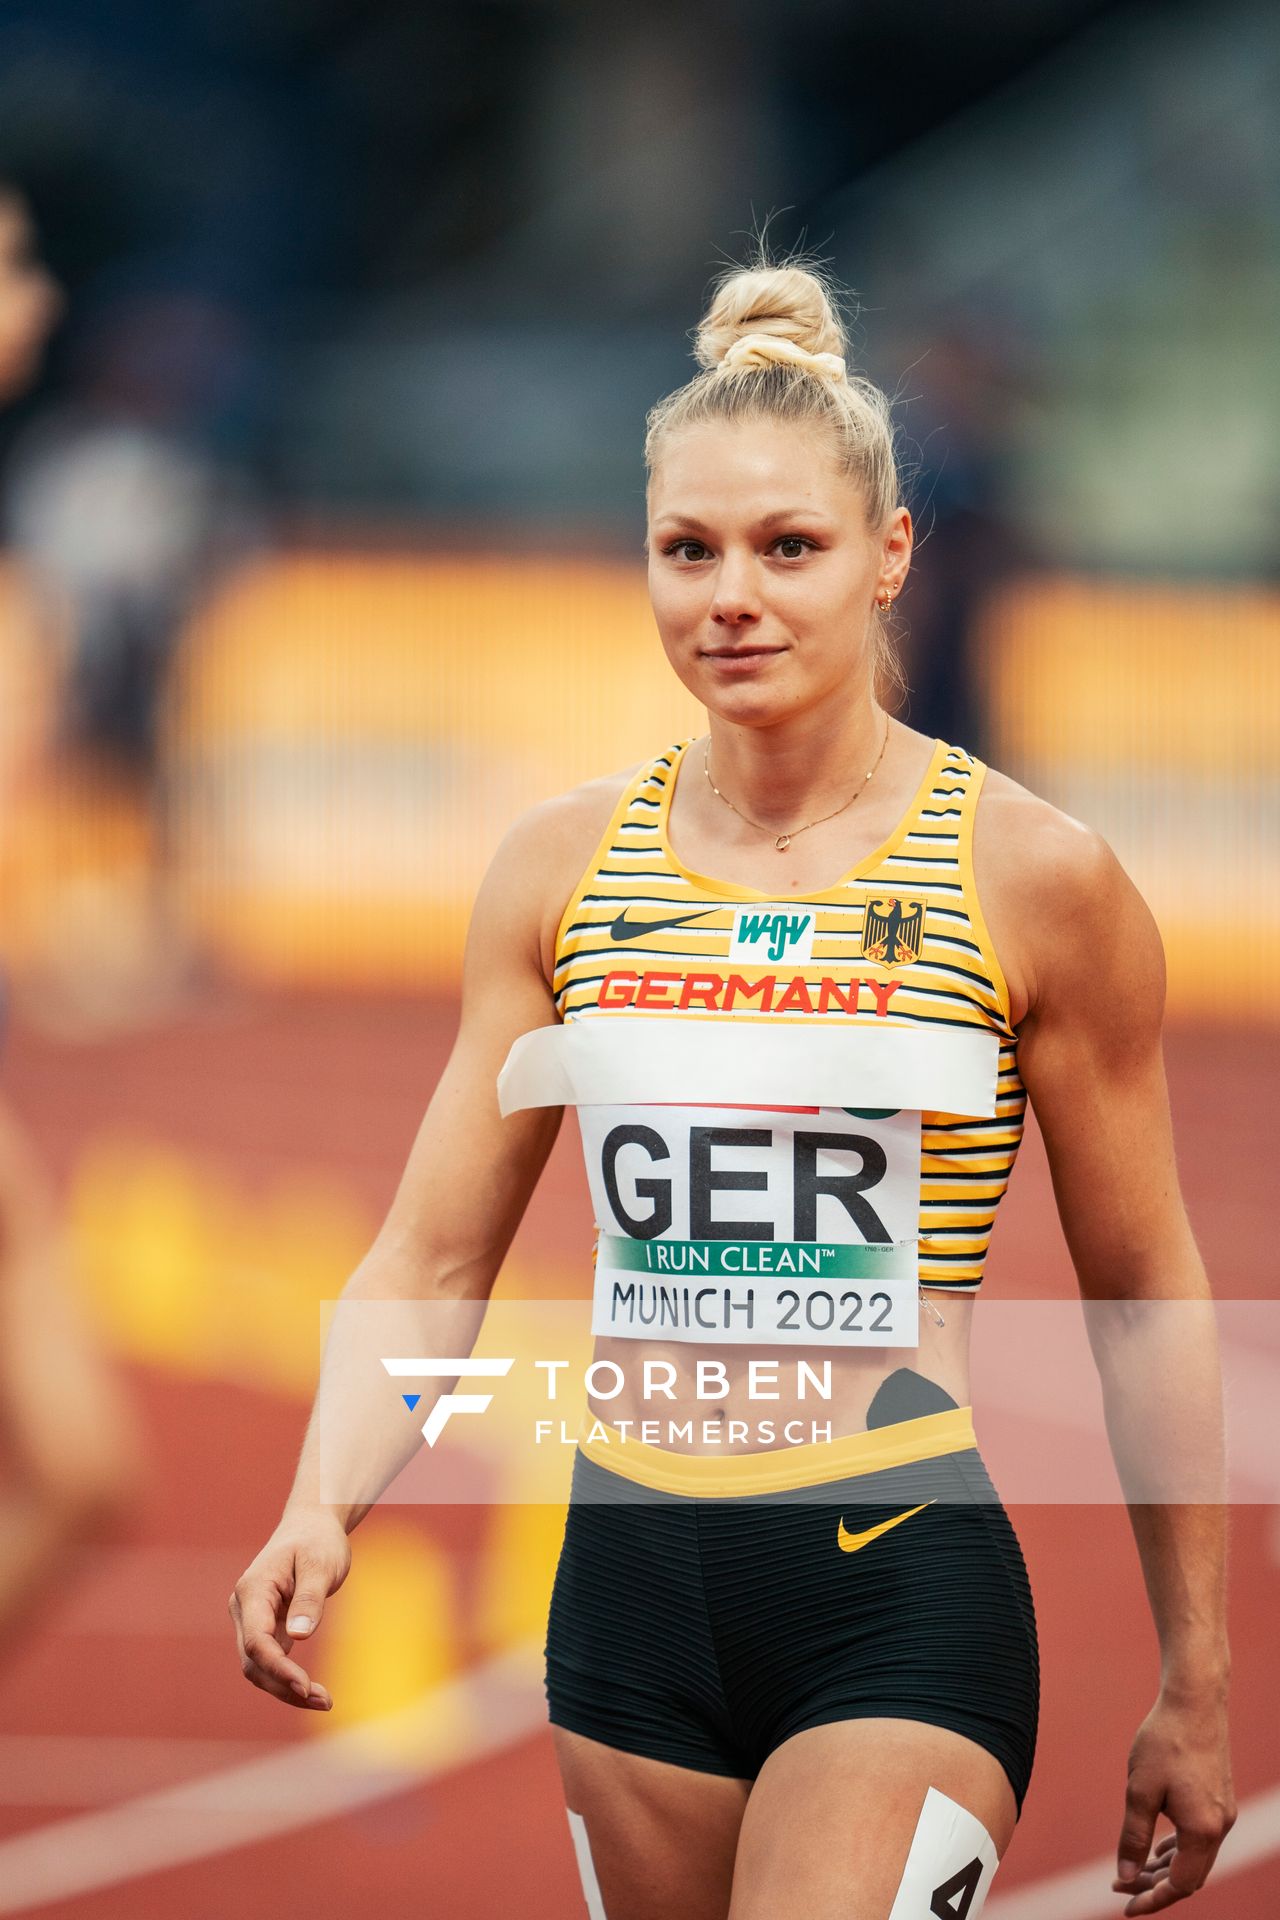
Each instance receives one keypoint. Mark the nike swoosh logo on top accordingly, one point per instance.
(850, 1542)
(624, 929)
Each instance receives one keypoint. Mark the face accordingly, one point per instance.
(758, 548)
(30, 299)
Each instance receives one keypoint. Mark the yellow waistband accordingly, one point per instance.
(780, 1469)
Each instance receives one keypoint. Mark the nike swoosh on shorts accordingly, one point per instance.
(850, 1542)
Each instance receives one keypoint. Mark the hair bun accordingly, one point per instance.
(788, 304)
(764, 349)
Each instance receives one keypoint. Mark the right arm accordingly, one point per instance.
(463, 1192)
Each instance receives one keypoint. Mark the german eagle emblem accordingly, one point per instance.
(892, 930)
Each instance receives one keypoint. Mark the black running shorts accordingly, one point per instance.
(706, 1629)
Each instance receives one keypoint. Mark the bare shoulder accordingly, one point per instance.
(1022, 830)
(1056, 898)
(541, 857)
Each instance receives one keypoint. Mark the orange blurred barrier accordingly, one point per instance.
(355, 733)
(1152, 712)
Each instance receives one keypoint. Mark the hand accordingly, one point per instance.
(1179, 1764)
(306, 1559)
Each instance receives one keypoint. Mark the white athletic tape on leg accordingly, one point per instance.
(950, 1864)
(586, 1867)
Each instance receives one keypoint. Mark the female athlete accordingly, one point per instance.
(799, 976)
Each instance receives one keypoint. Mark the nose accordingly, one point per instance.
(736, 599)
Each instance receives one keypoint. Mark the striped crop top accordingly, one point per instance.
(760, 1081)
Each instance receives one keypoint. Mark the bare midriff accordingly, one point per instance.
(942, 1356)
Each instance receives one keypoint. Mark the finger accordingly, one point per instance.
(1187, 1869)
(260, 1598)
(311, 1584)
(1135, 1834)
(1150, 1899)
(1143, 1884)
(316, 1699)
(1148, 1878)
(257, 1605)
(1191, 1860)
(292, 1674)
(1154, 1900)
(266, 1653)
(1157, 1863)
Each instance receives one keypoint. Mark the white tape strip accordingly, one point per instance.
(613, 1058)
(586, 1866)
(950, 1865)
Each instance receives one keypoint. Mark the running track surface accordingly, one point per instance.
(129, 1685)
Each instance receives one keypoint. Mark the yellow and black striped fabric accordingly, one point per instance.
(901, 937)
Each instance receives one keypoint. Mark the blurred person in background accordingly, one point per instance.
(124, 519)
(113, 500)
(968, 545)
(71, 1449)
(31, 300)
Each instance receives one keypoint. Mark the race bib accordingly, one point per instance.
(770, 1225)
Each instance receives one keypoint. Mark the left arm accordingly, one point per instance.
(1091, 1058)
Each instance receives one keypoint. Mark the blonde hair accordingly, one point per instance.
(796, 302)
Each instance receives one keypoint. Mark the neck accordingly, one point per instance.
(784, 779)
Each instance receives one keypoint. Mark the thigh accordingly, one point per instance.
(832, 1816)
(662, 1838)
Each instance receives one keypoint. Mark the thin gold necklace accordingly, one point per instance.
(783, 840)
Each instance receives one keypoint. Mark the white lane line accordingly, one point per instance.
(1084, 1893)
(93, 1770)
(300, 1785)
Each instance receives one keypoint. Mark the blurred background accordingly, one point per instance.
(326, 337)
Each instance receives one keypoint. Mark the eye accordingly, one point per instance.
(677, 544)
(794, 540)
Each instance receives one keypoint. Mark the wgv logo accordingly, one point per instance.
(428, 1367)
(765, 932)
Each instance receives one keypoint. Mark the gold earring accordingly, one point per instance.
(885, 604)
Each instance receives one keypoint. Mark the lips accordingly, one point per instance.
(738, 653)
